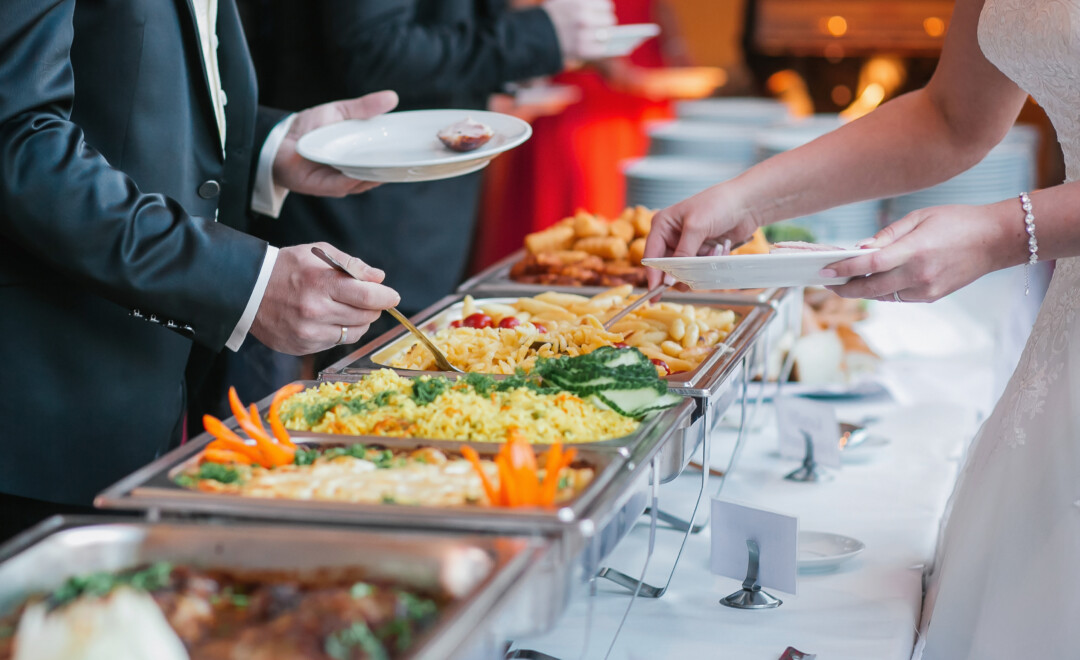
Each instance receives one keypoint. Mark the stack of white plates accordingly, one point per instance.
(734, 110)
(1008, 169)
(842, 225)
(660, 181)
(729, 143)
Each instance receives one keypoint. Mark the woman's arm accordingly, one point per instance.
(911, 142)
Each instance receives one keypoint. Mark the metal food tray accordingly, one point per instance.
(153, 487)
(491, 580)
(703, 380)
(497, 278)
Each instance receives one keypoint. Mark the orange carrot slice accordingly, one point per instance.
(276, 425)
(275, 453)
(507, 485)
(470, 455)
(551, 475)
(238, 447)
(256, 419)
(225, 456)
(237, 407)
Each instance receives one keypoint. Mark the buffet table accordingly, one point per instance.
(892, 500)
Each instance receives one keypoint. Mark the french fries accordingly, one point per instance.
(680, 336)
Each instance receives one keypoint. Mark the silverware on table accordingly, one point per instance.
(440, 359)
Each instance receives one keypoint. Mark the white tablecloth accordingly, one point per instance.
(892, 501)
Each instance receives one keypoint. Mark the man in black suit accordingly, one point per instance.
(435, 54)
(128, 129)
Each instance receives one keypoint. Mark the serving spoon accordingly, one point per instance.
(440, 359)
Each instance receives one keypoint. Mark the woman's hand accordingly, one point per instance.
(695, 226)
(930, 253)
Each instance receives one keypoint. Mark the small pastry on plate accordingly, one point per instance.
(466, 135)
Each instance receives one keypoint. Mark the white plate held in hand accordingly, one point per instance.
(624, 39)
(404, 146)
(822, 551)
(754, 271)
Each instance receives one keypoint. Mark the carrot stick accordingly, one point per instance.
(225, 456)
(256, 419)
(216, 428)
(470, 455)
(237, 407)
(238, 447)
(551, 475)
(506, 482)
(276, 425)
(275, 453)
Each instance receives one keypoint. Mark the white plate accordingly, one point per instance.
(822, 551)
(624, 39)
(753, 271)
(404, 146)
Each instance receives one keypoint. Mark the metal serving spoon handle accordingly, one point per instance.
(440, 358)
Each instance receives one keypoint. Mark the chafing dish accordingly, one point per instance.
(497, 278)
(489, 579)
(710, 383)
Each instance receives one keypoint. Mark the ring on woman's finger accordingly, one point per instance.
(896, 297)
(344, 336)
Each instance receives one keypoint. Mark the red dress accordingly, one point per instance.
(572, 160)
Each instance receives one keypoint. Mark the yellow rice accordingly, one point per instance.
(456, 414)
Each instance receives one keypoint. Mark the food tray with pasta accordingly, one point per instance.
(168, 590)
(693, 341)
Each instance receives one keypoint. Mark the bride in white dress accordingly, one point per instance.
(1006, 582)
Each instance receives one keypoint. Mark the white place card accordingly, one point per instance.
(796, 418)
(777, 537)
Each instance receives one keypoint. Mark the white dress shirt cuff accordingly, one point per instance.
(248, 317)
(267, 197)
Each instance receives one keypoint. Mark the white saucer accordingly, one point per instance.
(823, 551)
(754, 271)
(403, 146)
(624, 39)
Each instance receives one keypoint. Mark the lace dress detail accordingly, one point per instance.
(1008, 567)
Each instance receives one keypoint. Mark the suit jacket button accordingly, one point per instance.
(209, 189)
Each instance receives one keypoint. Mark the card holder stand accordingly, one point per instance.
(751, 597)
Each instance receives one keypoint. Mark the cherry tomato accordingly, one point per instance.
(455, 324)
(663, 365)
(539, 328)
(509, 322)
(620, 344)
(477, 320)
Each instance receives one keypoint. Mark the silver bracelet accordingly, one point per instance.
(1033, 245)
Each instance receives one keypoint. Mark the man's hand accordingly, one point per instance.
(307, 303)
(298, 174)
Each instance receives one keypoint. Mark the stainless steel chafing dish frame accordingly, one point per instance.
(497, 278)
(700, 381)
(496, 575)
(151, 487)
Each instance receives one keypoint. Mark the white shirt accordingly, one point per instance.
(267, 197)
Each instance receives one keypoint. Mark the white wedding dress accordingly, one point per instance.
(1006, 582)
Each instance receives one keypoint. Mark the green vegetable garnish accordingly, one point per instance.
(218, 472)
(100, 584)
(782, 232)
(426, 390)
(361, 590)
(417, 608)
(357, 636)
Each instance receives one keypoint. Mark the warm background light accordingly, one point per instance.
(837, 26)
(934, 26)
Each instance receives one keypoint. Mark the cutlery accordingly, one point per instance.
(646, 297)
(440, 359)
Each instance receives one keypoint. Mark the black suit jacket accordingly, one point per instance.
(111, 262)
(435, 54)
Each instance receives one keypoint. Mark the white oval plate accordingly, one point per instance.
(753, 271)
(403, 146)
(821, 551)
(624, 39)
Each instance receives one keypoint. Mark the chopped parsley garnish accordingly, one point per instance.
(358, 636)
(100, 584)
(218, 472)
(399, 631)
(305, 456)
(388, 499)
(384, 459)
(415, 607)
(361, 590)
(426, 390)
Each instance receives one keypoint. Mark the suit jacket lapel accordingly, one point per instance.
(193, 52)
